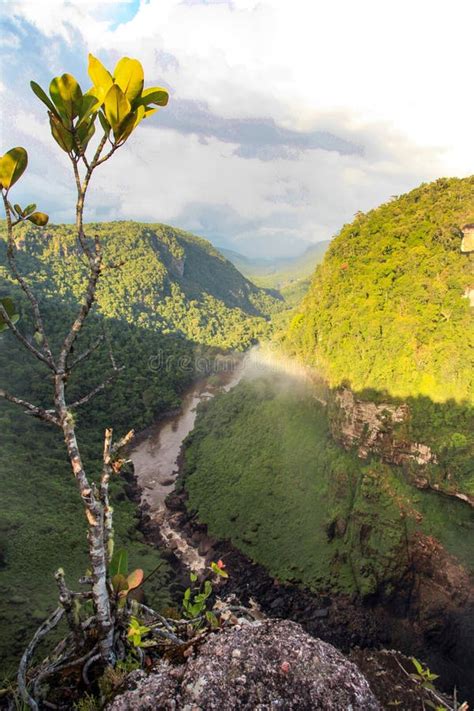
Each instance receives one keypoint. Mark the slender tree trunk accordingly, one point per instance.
(94, 512)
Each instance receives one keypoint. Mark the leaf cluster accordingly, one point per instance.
(118, 100)
(122, 581)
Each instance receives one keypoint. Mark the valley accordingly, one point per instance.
(332, 464)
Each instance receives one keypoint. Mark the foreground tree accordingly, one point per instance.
(118, 102)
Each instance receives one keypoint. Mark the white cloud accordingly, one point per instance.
(392, 78)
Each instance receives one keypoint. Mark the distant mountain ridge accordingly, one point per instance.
(280, 271)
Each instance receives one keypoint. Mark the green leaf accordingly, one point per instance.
(143, 112)
(218, 571)
(125, 128)
(117, 109)
(212, 619)
(11, 310)
(149, 111)
(104, 123)
(18, 210)
(100, 77)
(61, 135)
(29, 209)
(193, 577)
(84, 134)
(40, 219)
(153, 95)
(12, 166)
(67, 96)
(119, 583)
(119, 563)
(90, 105)
(43, 97)
(128, 74)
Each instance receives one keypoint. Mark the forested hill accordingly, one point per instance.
(168, 280)
(389, 307)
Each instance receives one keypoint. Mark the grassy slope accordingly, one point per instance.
(385, 314)
(262, 470)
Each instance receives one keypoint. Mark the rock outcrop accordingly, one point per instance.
(267, 665)
(371, 428)
(467, 243)
(177, 265)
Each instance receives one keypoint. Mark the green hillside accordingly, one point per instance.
(387, 307)
(386, 314)
(173, 296)
(168, 280)
(262, 470)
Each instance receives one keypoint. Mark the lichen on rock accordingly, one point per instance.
(268, 665)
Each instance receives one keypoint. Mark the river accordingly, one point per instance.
(156, 459)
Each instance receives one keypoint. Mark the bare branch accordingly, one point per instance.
(89, 298)
(86, 667)
(104, 495)
(95, 258)
(66, 598)
(81, 187)
(83, 356)
(126, 439)
(32, 298)
(100, 147)
(80, 209)
(111, 352)
(86, 580)
(95, 391)
(167, 635)
(24, 341)
(81, 152)
(107, 156)
(54, 668)
(40, 412)
(48, 625)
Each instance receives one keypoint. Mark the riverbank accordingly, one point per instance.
(423, 616)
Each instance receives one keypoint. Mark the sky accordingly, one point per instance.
(285, 118)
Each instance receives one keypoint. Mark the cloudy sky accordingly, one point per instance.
(285, 118)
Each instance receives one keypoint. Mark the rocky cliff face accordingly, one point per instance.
(177, 266)
(371, 428)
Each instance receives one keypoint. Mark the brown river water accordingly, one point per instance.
(156, 457)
